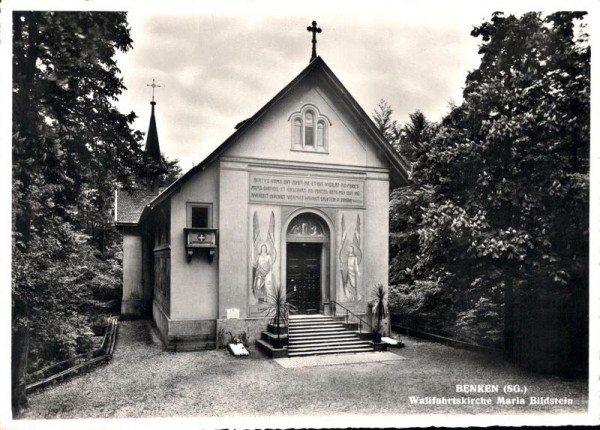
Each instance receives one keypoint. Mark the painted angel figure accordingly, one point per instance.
(350, 259)
(263, 278)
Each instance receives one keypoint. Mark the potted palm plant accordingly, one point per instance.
(378, 307)
(278, 308)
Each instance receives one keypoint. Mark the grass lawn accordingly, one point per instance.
(143, 381)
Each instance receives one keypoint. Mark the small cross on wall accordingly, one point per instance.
(314, 30)
(201, 237)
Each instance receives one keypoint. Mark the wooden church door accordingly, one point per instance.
(304, 277)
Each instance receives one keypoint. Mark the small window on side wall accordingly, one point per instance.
(199, 215)
(309, 130)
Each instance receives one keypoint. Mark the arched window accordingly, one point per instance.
(309, 130)
(321, 134)
(298, 131)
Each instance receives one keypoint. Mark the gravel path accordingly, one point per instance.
(143, 381)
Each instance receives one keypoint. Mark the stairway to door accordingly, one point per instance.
(319, 334)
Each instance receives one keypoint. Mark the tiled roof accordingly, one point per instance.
(130, 204)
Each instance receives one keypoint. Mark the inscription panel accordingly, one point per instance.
(306, 191)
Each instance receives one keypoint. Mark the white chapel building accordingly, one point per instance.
(296, 198)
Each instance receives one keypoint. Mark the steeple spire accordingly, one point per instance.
(154, 165)
(152, 144)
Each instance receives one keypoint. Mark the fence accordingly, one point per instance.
(76, 364)
(443, 339)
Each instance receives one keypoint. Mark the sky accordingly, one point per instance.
(217, 64)
(217, 67)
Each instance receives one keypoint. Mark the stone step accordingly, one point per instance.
(332, 351)
(310, 344)
(323, 339)
(341, 335)
(268, 349)
(314, 316)
(323, 336)
(272, 337)
(295, 328)
(319, 334)
(319, 349)
(317, 329)
(314, 321)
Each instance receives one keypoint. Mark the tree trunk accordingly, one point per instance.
(26, 55)
(20, 355)
(509, 321)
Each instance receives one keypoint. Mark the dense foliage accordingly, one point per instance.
(496, 220)
(405, 139)
(71, 147)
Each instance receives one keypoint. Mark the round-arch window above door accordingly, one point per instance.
(307, 228)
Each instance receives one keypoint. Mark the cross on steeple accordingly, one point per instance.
(314, 30)
(153, 85)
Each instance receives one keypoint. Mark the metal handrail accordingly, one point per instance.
(361, 321)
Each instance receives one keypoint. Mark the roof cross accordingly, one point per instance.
(314, 30)
(153, 85)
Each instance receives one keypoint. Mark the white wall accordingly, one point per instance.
(233, 244)
(133, 292)
(194, 285)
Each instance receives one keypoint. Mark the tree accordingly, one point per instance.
(504, 229)
(70, 148)
(173, 171)
(382, 116)
(405, 139)
(407, 201)
(414, 133)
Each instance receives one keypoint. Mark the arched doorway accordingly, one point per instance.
(307, 263)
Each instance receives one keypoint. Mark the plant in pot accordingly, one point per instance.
(278, 308)
(378, 306)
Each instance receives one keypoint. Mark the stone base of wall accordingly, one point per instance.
(184, 335)
(132, 309)
(198, 335)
